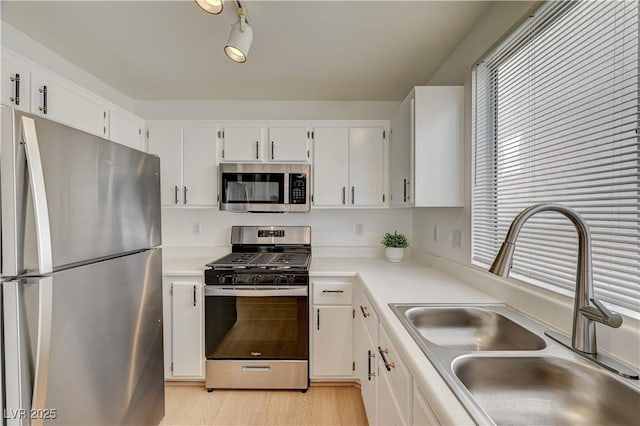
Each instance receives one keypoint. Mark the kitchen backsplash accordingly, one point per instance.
(330, 228)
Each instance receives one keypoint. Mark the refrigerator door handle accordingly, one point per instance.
(38, 191)
(43, 348)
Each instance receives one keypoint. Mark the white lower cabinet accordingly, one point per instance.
(332, 330)
(389, 393)
(365, 353)
(183, 299)
(394, 384)
(423, 414)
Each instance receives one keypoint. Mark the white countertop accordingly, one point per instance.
(185, 266)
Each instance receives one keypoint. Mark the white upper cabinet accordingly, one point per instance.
(200, 172)
(330, 167)
(166, 143)
(366, 167)
(401, 155)
(126, 128)
(257, 144)
(430, 123)
(61, 101)
(29, 87)
(16, 83)
(241, 144)
(349, 167)
(288, 144)
(188, 171)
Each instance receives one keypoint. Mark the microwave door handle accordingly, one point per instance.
(29, 138)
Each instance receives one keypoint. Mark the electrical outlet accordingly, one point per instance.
(456, 238)
(196, 229)
(436, 233)
(359, 229)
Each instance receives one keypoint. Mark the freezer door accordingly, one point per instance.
(87, 344)
(101, 198)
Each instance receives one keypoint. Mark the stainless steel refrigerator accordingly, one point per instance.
(81, 277)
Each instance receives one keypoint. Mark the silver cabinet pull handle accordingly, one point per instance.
(353, 195)
(16, 99)
(257, 150)
(333, 291)
(344, 195)
(44, 91)
(404, 184)
(176, 194)
(184, 195)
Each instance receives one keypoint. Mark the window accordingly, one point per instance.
(556, 119)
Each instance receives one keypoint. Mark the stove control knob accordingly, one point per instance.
(291, 279)
(221, 279)
(256, 279)
(281, 279)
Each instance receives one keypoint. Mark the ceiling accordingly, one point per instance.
(302, 50)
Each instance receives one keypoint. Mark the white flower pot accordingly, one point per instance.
(394, 254)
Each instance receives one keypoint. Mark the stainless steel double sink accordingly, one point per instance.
(505, 371)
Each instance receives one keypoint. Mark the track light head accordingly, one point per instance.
(213, 7)
(239, 40)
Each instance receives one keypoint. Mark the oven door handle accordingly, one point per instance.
(256, 291)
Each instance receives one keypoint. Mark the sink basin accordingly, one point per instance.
(471, 329)
(547, 390)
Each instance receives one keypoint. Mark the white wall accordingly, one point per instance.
(265, 110)
(550, 307)
(27, 47)
(456, 70)
(331, 229)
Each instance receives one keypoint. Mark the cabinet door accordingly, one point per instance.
(366, 167)
(288, 144)
(187, 346)
(242, 144)
(166, 142)
(366, 363)
(332, 341)
(438, 146)
(401, 155)
(423, 414)
(388, 413)
(126, 129)
(167, 322)
(16, 79)
(199, 166)
(396, 375)
(330, 167)
(68, 104)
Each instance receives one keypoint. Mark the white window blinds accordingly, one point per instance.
(556, 119)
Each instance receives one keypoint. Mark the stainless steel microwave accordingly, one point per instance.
(277, 188)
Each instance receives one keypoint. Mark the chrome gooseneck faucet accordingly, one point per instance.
(587, 310)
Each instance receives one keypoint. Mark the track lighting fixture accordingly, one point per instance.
(240, 38)
(213, 7)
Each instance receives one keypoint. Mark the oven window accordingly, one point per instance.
(264, 188)
(256, 327)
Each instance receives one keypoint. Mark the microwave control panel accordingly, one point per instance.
(297, 188)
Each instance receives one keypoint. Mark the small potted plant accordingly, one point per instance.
(395, 244)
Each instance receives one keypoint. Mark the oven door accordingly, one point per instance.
(254, 191)
(257, 323)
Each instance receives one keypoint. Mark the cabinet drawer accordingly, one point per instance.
(331, 293)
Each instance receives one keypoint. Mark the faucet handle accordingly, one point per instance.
(598, 312)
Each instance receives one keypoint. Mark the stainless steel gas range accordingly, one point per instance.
(257, 310)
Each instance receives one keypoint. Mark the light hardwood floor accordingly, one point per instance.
(321, 405)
